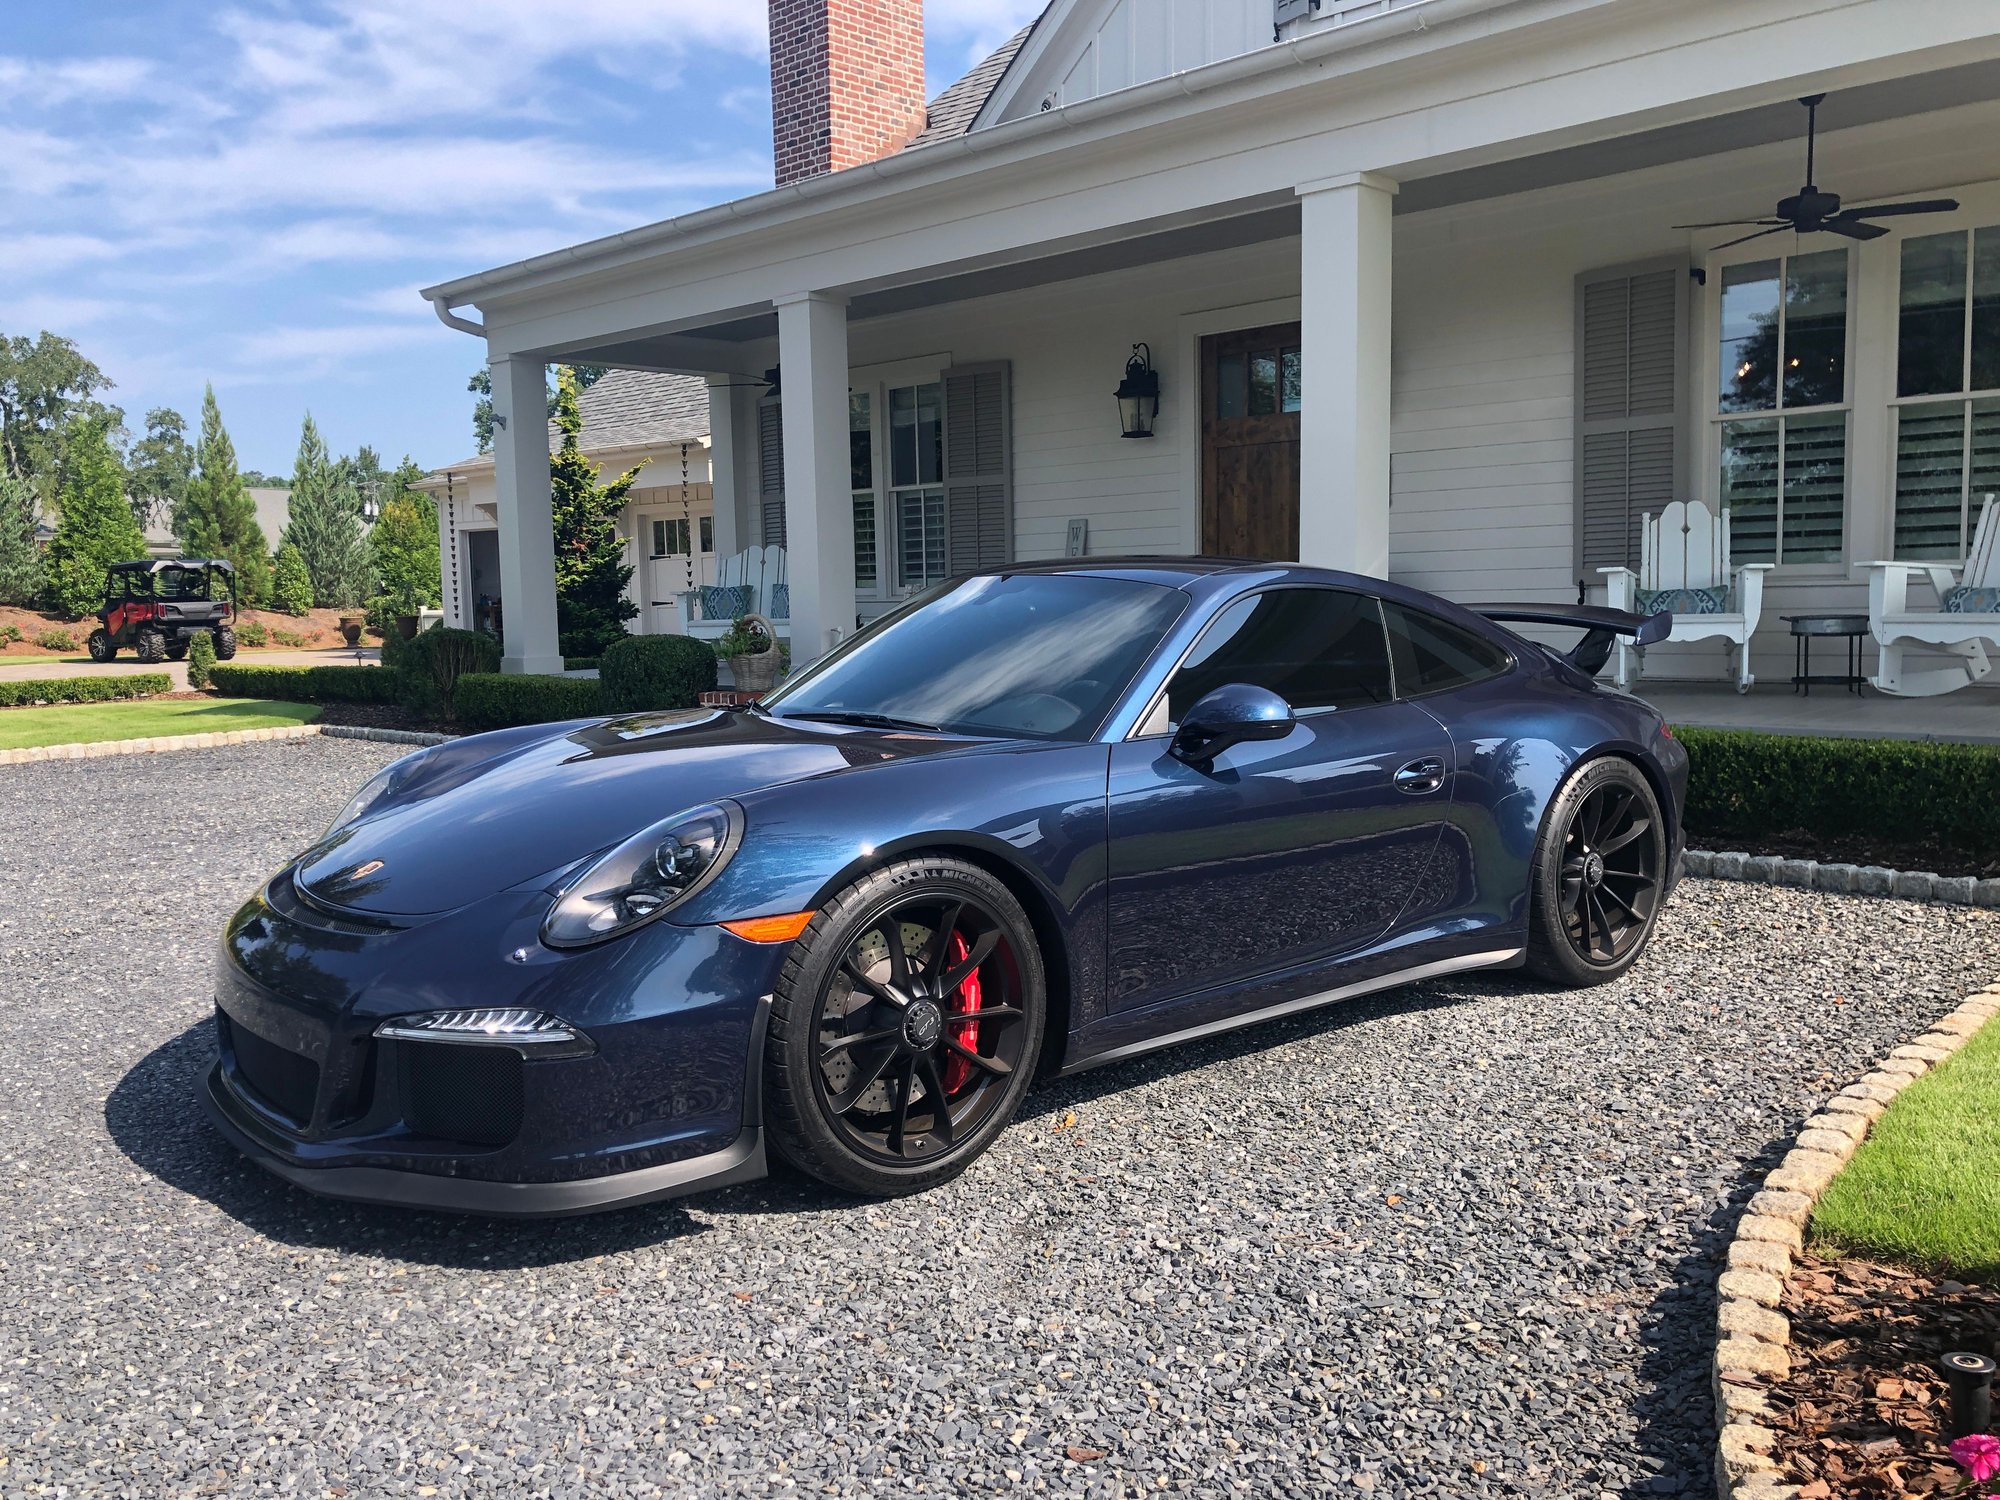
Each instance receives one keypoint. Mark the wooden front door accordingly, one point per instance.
(1250, 443)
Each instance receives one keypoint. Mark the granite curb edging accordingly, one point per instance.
(157, 744)
(1752, 1337)
(1841, 879)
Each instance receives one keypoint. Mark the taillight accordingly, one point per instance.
(1666, 730)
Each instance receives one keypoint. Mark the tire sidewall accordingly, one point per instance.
(102, 648)
(795, 1114)
(1550, 952)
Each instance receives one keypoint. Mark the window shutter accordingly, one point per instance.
(1631, 403)
(978, 468)
(771, 473)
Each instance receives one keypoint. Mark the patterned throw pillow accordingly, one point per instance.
(1970, 601)
(1711, 601)
(724, 601)
(781, 601)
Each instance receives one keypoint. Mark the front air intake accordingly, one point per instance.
(460, 1093)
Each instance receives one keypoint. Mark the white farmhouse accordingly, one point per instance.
(1408, 273)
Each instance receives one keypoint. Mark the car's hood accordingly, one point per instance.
(485, 814)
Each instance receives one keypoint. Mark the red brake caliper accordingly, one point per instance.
(956, 1069)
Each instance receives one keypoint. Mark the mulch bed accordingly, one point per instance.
(1855, 849)
(382, 716)
(1864, 1411)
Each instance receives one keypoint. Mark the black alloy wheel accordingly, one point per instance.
(102, 647)
(1600, 875)
(906, 1028)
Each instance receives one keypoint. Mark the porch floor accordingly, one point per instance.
(1969, 716)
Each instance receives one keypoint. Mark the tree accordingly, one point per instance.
(161, 467)
(217, 518)
(291, 584)
(481, 385)
(591, 574)
(325, 524)
(405, 547)
(95, 527)
(48, 394)
(20, 558)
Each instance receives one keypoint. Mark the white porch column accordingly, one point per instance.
(527, 535)
(819, 511)
(724, 465)
(1344, 424)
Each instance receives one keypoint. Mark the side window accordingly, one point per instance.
(1433, 655)
(1315, 648)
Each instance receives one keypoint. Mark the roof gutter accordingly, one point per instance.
(956, 157)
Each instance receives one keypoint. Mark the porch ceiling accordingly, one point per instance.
(723, 344)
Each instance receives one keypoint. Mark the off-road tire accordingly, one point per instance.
(102, 647)
(150, 646)
(225, 644)
(796, 1110)
(1631, 900)
(177, 651)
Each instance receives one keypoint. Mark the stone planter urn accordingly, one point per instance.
(406, 627)
(350, 628)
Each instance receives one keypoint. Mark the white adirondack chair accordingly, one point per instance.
(1958, 626)
(750, 583)
(1685, 551)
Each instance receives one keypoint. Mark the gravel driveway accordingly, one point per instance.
(1458, 1240)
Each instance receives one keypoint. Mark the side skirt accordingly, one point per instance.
(1491, 959)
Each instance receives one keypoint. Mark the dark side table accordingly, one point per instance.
(1805, 628)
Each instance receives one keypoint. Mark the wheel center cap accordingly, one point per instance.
(1593, 868)
(923, 1024)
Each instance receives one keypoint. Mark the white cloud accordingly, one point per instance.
(302, 354)
(60, 314)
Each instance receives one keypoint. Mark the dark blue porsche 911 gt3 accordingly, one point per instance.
(1035, 820)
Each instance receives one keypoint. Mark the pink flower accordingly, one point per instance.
(1978, 1455)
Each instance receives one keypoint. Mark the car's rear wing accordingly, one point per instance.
(1600, 627)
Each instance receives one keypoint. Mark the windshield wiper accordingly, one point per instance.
(865, 721)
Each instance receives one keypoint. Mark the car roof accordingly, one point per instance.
(1177, 572)
(172, 562)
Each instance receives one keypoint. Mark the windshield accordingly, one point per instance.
(1040, 655)
(183, 583)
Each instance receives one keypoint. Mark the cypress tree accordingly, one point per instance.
(20, 558)
(218, 518)
(325, 524)
(591, 573)
(95, 527)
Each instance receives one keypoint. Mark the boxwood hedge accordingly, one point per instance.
(307, 684)
(493, 700)
(656, 671)
(1745, 785)
(84, 689)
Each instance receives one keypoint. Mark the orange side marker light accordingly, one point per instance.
(771, 929)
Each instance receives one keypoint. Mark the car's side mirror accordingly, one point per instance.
(1230, 715)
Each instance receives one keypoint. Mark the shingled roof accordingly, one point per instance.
(953, 111)
(629, 407)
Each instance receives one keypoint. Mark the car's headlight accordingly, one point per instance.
(650, 873)
(391, 778)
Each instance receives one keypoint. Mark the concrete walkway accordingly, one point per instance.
(36, 668)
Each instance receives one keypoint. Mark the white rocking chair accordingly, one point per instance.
(1966, 617)
(750, 583)
(1684, 568)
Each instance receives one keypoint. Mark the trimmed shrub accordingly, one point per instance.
(84, 689)
(291, 640)
(9, 635)
(306, 684)
(291, 584)
(201, 659)
(434, 660)
(493, 700)
(252, 633)
(656, 671)
(582, 663)
(1746, 785)
(56, 640)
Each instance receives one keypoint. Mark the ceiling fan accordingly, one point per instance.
(1811, 211)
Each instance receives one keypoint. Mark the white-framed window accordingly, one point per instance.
(1946, 409)
(708, 535)
(1781, 406)
(861, 467)
(670, 537)
(916, 483)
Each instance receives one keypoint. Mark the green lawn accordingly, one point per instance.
(141, 719)
(1924, 1189)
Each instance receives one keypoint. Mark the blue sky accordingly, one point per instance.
(251, 193)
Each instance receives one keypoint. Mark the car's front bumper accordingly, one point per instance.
(742, 1160)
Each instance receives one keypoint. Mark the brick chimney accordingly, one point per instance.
(847, 82)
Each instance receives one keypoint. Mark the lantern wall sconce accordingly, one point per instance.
(1139, 394)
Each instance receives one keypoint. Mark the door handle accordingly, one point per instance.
(1418, 777)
